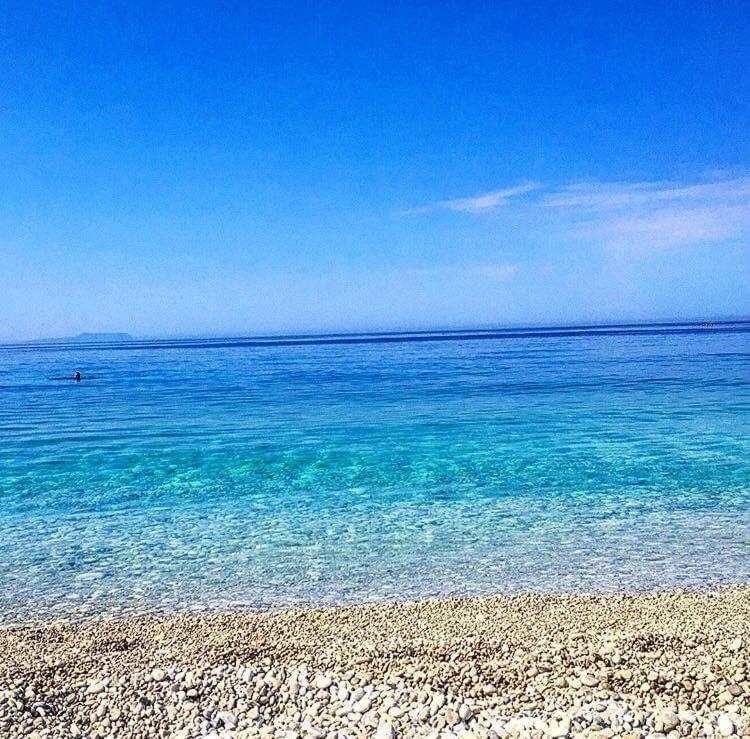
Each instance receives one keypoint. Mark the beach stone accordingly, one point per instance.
(464, 712)
(98, 686)
(323, 682)
(558, 728)
(158, 674)
(452, 717)
(665, 721)
(362, 705)
(384, 731)
(725, 725)
(357, 694)
(227, 719)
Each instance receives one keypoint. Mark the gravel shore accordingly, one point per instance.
(668, 664)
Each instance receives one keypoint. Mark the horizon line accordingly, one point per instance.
(378, 336)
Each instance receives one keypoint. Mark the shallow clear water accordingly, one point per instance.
(217, 475)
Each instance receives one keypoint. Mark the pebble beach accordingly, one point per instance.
(667, 664)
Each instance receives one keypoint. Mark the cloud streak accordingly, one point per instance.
(641, 214)
(479, 203)
(614, 195)
(654, 214)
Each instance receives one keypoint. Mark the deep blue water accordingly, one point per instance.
(261, 473)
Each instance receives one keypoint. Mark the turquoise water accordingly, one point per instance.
(222, 474)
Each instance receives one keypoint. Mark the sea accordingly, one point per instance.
(204, 475)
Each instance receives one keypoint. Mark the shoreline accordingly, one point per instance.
(205, 611)
(670, 663)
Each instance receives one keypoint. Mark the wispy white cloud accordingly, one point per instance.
(654, 214)
(643, 214)
(671, 226)
(479, 203)
(628, 194)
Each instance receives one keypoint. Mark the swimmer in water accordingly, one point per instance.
(76, 377)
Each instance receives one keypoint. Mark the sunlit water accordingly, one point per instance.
(218, 475)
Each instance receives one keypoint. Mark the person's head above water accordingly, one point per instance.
(77, 376)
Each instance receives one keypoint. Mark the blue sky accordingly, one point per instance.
(243, 168)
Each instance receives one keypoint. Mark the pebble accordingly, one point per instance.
(725, 725)
(665, 721)
(667, 666)
(385, 731)
(323, 682)
(227, 719)
(362, 705)
(464, 712)
(98, 686)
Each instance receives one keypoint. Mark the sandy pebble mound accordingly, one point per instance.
(664, 665)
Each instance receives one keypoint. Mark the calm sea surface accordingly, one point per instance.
(225, 474)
